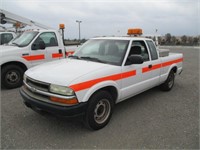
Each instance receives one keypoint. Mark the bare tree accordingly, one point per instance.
(184, 39)
(173, 40)
(195, 41)
(190, 41)
(168, 38)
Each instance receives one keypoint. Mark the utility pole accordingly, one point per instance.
(79, 29)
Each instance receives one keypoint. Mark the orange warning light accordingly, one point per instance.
(136, 31)
(62, 26)
(18, 25)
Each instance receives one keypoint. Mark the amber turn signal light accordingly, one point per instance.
(64, 101)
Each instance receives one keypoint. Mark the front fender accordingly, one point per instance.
(8, 59)
(99, 86)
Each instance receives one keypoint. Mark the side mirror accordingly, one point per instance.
(40, 45)
(135, 59)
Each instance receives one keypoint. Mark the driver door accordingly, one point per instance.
(135, 83)
(38, 53)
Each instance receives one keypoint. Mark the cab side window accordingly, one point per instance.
(136, 45)
(6, 37)
(153, 51)
(49, 38)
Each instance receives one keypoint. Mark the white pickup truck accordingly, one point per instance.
(102, 72)
(31, 48)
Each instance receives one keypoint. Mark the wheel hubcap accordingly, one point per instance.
(102, 111)
(12, 77)
(171, 81)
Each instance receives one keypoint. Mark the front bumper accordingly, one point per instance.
(64, 111)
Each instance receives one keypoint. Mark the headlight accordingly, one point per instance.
(63, 90)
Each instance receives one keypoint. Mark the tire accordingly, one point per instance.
(99, 110)
(169, 83)
(11, 76)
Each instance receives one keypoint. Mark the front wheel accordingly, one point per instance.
(99, 110)
(169, 83)
(11, 76)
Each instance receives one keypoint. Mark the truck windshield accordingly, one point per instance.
(24, 39)
(103, 50)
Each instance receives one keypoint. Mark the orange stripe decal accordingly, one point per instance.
(157, 66)
(57, 55)
(34, 57)
(171, 62)
(88, 84)
(146, 69)
(69, 53)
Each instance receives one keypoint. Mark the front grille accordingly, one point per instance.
(40, 97)
(39, 91)
(38, 84)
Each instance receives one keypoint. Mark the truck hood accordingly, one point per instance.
(8, 48)
(63, 72)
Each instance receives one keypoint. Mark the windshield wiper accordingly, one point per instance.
(73, 56)
(15, 44)
(92, 59)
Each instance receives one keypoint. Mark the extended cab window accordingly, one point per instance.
(6, 37)
(49, 38)
(153, 51)
(143, 52)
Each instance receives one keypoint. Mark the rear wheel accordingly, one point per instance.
(99, 110)
(169, 83)
(11, 76)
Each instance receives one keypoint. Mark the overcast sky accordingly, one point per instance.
(111, 17)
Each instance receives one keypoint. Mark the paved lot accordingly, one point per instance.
(153, 119)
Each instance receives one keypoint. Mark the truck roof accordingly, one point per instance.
(7, 32)
(40, 30)
(123, 38)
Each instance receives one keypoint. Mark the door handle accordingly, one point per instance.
(25, 54)
(150, 66)
(60, 51)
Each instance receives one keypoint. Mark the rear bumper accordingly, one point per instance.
(64, 111)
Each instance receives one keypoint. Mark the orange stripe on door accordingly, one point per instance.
(146, 69)
(69, 53)
(88, 84)
(57, 55)
(157, 66)
(34, 57)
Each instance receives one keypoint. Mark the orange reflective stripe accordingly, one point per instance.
(88, 84)
(146, 69)
(56, 55)
(128, 74)
(172, 62)
(69, 53)
(34, 57)
(157, 66)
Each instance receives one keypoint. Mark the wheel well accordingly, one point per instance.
(112, 90)
(174, 69)
(15, 63)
